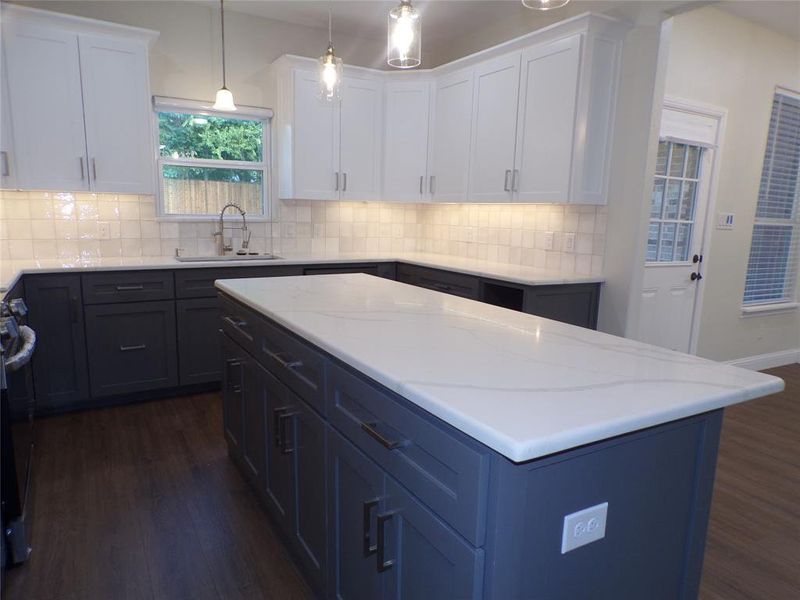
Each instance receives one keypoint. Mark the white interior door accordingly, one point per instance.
(547, 120)
(673, 272)
(449, 172)
(116, 99)
(405, 158)
(360, 143)
(315, 152)
(494, 129)
(44, 85)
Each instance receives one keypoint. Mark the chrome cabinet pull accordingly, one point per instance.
(94, 169)
(514, 182)
(383, 564)
(368, 546)
(336, 177)
(432, 186)
(132, 348)
(289, 363)
(80, 160)
(344, 185)
(421, 183)
(130, 288)
(369, 429)
(505, 181)
(4, 156)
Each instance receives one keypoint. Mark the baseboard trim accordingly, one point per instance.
(767, 361)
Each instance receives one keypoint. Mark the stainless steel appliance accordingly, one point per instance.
(17, 407)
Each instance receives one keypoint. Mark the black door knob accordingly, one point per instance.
(695, 277)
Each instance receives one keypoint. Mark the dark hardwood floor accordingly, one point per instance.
(753, 549)
(142, 502)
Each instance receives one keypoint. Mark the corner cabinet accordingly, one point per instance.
(91, 80)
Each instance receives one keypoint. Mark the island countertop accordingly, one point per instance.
(523, 385)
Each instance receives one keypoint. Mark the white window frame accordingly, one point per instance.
(765, 307)
(196, 107)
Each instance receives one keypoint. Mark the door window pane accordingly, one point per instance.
(667, 246)
(682, 245)
(688, 193)
(677, 160)
(692, 162)
(657, 198)
(673, 199)
(652, 242)
(661, 160)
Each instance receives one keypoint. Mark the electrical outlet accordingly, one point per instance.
(548, 240)
(103, 231)
(584, 527)
(569, 242)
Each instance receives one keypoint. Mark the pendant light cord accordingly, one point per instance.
(222, 23)
(330, 34)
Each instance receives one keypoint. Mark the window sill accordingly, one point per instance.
(761, 310)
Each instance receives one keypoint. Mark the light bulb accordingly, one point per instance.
(330, 76)
(224, 100)
(403, 42)
(403, 34)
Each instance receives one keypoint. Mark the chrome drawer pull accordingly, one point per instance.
(131, 348)
(369, 547)
(369, 429)
(238, 324)
(289, 363)
(383, 564)
(129, 288)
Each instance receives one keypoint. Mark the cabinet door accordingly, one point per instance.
(116, 100)
(315, 152)
(232, 392)
(8, 167)
(281, 407)
(132, 347)
(198, 342)
(421, 557)
(449, 171)
(494, 129)
(356, 488)
(360, 139)
(546, 128)
(254, 445)
(405, 156)
(307, 442)
(60, 373)
(44, 84)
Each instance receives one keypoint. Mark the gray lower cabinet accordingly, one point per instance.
(576, 304)
(232, 393)
(60, 373)
(198, 345)
(132, 346)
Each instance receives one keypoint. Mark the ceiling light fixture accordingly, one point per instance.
(330, 70)
(224, 100)
(404, 41)
(544, 4)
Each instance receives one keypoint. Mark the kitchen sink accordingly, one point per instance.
(227, 258)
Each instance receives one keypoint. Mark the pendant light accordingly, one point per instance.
(403, 45)
(224, 100)
(544, 4)
(330, 71)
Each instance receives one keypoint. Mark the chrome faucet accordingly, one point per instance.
(219, 234)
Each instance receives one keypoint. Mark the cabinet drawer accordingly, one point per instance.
(301, 368)
(385, 270)
(239, 323)
(133, 286)
(199, 283)
(442, 468)
(457, 284)
(132, 347)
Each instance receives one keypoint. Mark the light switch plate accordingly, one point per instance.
(584, 527)
(725, 221)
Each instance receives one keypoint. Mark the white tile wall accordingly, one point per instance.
(71, 225)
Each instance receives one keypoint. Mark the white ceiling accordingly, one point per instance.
(782, 16)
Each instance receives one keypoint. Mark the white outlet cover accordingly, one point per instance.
(569, 242)
(584, 527)
(103, 230)
(548, 240)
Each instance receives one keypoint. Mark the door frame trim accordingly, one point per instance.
(720, 115)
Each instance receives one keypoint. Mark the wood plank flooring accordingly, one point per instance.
(141, 502)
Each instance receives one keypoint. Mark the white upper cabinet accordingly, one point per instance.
(361, 131)
(78, 103)
(494, 129)
(310, 156)
(44, 84)
(450, 166)
(405, 159)
(117, 111)
(8, 169)
(546, 128)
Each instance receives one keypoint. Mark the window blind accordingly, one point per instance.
(773, 262)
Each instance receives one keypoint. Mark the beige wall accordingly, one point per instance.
(722, 60)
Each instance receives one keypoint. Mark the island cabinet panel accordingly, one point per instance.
(457, 284)
(254, 425)
(280, 407)
(60, 367)
(443, 469)
(132, 346)
(232, 393)
(198, 345)
(385, 270)
(575, 304)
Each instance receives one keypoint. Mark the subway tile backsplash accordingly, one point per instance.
(83, 225)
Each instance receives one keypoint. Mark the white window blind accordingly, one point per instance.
(772, 267)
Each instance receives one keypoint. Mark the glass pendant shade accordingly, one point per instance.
(330, 76)
(224, 100)
(544, 4)
(404, 41)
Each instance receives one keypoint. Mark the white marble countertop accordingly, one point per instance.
(523, 385)
(11, 270)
